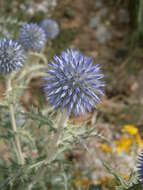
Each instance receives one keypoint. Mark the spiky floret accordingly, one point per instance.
(12, 56)
(73, 82)
(51, 28)
(140, 166)
(32, 37)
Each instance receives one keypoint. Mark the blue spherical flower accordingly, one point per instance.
(140, 167)
(73, 82)
(12, 56)
(32, 37)
(50, 27)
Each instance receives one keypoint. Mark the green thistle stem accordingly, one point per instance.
(39, 55)
(61, 123)
(14, 127)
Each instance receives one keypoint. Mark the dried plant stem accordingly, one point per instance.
(60, 124)
(14, 128)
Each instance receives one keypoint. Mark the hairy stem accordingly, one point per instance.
(14, 128)
(40, 56)
(61, 123)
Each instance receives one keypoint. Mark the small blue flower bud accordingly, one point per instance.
(50, 27)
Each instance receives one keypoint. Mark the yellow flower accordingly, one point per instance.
(83, 182)
(125, 176)
(130, 129)
(107, 182)
(105, 148)
(123, 144)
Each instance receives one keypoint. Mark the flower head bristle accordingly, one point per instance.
(73, 82)
(12, 56)
(32, 37)
(140, 166)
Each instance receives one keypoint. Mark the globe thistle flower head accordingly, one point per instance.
(50, 27)
(32, 37)
(73, 82)
(140, 167)
(12, 56)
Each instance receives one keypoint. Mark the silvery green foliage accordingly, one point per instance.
(132, 183)
(12, 56)
(6, 26)
(51, 28)
(73, 82)
(32, 37)
(138, 186)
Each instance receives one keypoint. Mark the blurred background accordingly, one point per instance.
(112, 32)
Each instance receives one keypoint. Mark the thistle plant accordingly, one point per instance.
(73, 85)
(73, 82)
(51, 28)
(32, 37)
(68, 88)
(12, 58)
